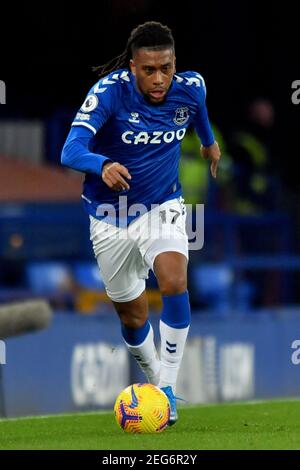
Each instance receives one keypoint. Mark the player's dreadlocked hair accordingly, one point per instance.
(151, 34)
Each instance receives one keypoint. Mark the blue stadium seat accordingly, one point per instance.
(47, 277)
(244, 292)
(212, 286)
(87, 275)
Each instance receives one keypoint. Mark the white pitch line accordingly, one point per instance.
(58, 415)
(238, 403)
(192, 406)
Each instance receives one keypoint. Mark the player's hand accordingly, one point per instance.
(214, 154)
(112, 175)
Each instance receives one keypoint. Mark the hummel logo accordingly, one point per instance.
(134, 118)
(171, 347)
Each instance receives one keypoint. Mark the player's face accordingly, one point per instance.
(153, 71)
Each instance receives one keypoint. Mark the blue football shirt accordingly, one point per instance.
(116, 122)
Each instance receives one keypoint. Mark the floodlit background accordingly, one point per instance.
(244, 283)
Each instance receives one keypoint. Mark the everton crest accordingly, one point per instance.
(181, 116)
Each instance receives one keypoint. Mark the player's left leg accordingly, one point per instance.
(165, 251)
(171, 271)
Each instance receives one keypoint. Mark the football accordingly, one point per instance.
(142, 408)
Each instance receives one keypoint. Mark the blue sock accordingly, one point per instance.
(176, 310)
(135, 336)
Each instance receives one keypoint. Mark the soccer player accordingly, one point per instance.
(126, 139)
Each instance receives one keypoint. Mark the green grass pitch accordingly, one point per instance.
(261, 425)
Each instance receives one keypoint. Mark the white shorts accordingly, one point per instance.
(125, 255)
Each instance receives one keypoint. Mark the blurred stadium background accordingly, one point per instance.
(244, 283)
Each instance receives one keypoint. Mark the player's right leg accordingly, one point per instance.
(123, 272)
(138, 335)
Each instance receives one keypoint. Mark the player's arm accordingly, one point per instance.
(76, 155)
(209, 147)
(112, 175)
(213, 153)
